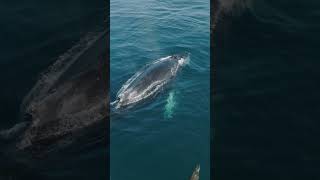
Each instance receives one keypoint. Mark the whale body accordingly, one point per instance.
(149, 80)
(67, 105)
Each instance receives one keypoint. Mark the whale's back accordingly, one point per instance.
(153, 75)
(148, 81)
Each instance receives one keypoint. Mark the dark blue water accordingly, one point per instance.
(33, 35)
(266, 103)
(168, 136)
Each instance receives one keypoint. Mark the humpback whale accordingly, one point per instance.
(149, 81)
(68, 104)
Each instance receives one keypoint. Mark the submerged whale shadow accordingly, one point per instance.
(65, 112)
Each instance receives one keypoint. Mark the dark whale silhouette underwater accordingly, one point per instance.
(67, 109)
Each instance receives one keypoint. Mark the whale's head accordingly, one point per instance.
(182, 58)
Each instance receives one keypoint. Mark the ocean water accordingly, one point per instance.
(34, 35)
(266, 84)
(168, 136)
(266, 101)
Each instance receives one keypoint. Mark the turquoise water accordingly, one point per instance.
(169, 135)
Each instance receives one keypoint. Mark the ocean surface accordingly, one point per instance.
(168, 136)
(266, 101)
(34, 34)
